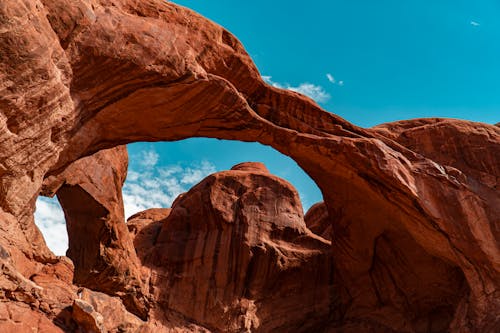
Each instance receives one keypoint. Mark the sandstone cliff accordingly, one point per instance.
(413, 206)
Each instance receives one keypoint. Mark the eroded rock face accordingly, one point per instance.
(230, 242)
(467, 153)
(384, 280)
(106, 313)
(405, 200)
(318, 220)
(144, 228)
(102, 251)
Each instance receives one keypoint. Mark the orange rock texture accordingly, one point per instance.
(407, 239)
(235, 253)
(100, 246)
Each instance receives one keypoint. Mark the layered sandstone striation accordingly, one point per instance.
(413, 206)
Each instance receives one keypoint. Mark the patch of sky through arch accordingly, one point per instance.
(159, 172)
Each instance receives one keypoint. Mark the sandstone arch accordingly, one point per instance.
(82, 76)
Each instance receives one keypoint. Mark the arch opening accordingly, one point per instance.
(49, 218)
(97, 200)
(158, 172)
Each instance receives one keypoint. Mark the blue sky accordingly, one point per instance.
(367, 61)
(397, 59)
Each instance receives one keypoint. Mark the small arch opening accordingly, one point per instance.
(49, 218)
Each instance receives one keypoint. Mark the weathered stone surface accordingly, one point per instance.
(232, 241)
(88, 319)
(18, 317)
(56, 281)
(102, 251)
(116, 318)
(144, 228)
(318, 220)
(468, 156)
(413, 205)
(28, 305)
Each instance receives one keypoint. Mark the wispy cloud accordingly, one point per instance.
(194, 175)
(315, 92)
(332, 80)
(49, 218)
(149, 158)
(158, 186)
(475, 24)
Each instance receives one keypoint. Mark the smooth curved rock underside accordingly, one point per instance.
(407, 239)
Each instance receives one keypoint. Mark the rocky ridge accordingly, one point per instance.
(413, 206)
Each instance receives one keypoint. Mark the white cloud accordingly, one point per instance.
(332, 80)
(149, 158)
(305, 201)
(132, 175)
(268, 79)
(315, 92)
(159, 186)
(49, 218)
(192, 176)
(475, 24)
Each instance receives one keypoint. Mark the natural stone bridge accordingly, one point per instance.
(414, 206)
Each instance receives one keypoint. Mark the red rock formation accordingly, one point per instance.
(230, 242)
(318, 220)
(102, 251)
(100, 312)
(144, 228)
(468, 156)
(413, 205)
(26, 304)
